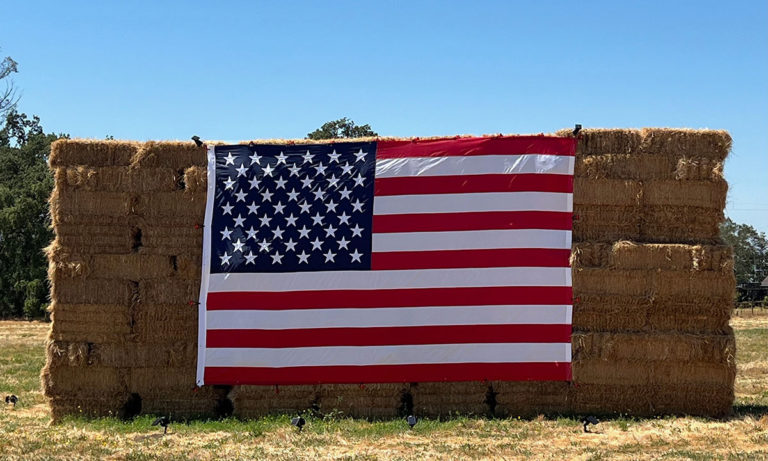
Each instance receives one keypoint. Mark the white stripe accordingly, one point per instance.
(206, 268)
(393, 279)
(472, 240)
(473, 165)
(473, 202)
(389, 355)
(388, 317)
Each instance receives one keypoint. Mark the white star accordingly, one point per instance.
(251, 233)
(293, 195)
(250, 258)
(240, 196)
(265, 220)
(357, 205)
(316, 244)
(305, 207)
(319, 193)
(303, 257)
(344, 218)
(229, 159)
(303, 232)
(307, 158)
(345, 193)
(241, 170)
(229, 183)
(295, 168)
(346, 168)
(334, 156)
(317, 219)
(331, 206)
(330, 231)
(279, 207)
(320, 169)
(280, 183)
(329, 257)
(264, 245)
(290, 245)
(239, 221)
(277, 232)
(357, 231)
(254, 182)
(225, 258)
(360, 155)
(277, 258)
(343, 243)
(226, 233)
(255, 158)
(281, 158)
(291, 220)
(238, 245)
(306, 183)
(359, 180)
(253, 207)
(266, 196)
(356, 256)
(268, 170)
(333, 180)
(227, 209)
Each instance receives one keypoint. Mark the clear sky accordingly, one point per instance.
(168, 70)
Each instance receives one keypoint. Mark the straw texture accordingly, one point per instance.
(653, 289)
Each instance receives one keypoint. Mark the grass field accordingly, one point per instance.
(25, 432)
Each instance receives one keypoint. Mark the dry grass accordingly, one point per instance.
(26, 434)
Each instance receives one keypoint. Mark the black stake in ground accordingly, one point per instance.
(11, 399)
(163, 422)
(412, 420)
(299, 422)
(587, 420)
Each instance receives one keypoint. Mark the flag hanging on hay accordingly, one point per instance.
(388, 261)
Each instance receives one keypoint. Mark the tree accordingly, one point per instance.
(25, 185)
(8, 96)
(750, 252)
(341, 128)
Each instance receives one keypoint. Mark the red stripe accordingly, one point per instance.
(530, 371)
(499, 145)
(415, 297)
(388, 336)
(486, 220)
(449, 259)
(410, 185)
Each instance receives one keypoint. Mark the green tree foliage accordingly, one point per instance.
(25, 185)
(750, 251)
(341, 128)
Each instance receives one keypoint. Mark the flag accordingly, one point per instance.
(387, 261)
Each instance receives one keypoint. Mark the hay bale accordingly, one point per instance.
(86, 240)
(630, 255)
(530, 398)
(90, 323)
(604, 223)
(629, 372)
(165, 205)
(712, 144)
(698, 169)
(196, 179)
(165, 323)
(99, 291)
(185, 241)
(680, 224)
(170, 154)
(652, 283)
(654, 347)
(85, 382)
(116, 179)
(131, 266)
(94, 153)
(626, 167)
(607, 192)
(700, 194)
(86, 207)
(606, 140)
(256, 401)
(368, 401)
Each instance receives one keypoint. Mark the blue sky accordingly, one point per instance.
(168, 70)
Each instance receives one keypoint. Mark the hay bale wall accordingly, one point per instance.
(652, 284)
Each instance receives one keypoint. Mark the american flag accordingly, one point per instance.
(388, 261)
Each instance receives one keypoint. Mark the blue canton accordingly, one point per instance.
(291, 208)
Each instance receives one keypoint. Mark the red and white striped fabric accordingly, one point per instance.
(468, 275)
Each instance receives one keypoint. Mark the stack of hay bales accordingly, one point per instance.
(652, 290)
